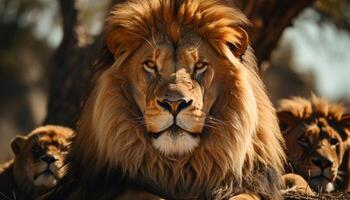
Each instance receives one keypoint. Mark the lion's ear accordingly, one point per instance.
(18, 143)
(239, 48)
(286, 120)
(111, 41)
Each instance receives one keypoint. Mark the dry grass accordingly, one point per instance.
(320, 196)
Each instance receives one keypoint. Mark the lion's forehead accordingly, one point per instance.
(320, 131)
(48, 139)
(171, 57)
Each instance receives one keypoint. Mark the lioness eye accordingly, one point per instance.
(201, 66)
(303, 141)
(37, 150)
(150, 66)
(333, 141)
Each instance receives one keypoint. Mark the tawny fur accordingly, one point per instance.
(16, 176)
(243, 155)
(296, 183)
(317, 122)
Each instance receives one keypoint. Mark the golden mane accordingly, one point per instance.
(137, 21)
(303, 108)
(245, 152)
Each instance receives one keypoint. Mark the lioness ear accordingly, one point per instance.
(238, 49)
(286, 120)
(17, 144)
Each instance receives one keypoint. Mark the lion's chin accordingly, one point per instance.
(46, 179)
(322, 185)
(170, 143)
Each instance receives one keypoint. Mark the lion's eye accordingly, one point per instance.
(150, 66)
(200, 67)
(37, 150)
(304, 141)
(333, 141)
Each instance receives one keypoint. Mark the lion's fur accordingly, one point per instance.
(16, 175)
(296, 183)
(314, 115)
(244, 155)
(303, 108)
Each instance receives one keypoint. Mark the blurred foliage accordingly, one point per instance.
(91, 14)
(337, 10)
(22, 59)
(17, 18)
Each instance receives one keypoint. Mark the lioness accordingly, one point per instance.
(37, 165)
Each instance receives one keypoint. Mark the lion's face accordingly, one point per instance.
(173, 87)
(40, 156)
(315, 148)
(316, 151)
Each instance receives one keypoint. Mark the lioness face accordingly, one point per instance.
(315, 150)
(173, 87)
(39, 158)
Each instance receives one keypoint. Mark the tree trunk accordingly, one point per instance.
(71, 63)
(269, 19)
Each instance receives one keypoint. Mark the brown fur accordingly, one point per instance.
(241, 154)
(317, 130)
(296, 183)
(17, 176)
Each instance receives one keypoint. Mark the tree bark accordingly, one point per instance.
(71, 67)
(71, 63)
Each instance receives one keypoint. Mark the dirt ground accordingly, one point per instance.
(320, 196)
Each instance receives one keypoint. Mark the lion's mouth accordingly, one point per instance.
(322, 183)
(321, 177)
(47, 172)
(174, 130)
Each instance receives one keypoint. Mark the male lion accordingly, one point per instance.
(37, 165)
(317, 138)
(179, 112)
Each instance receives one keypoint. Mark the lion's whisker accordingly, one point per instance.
(150, 44)
(341, 172)
(340, 178)
(212, 118)
(154, 41)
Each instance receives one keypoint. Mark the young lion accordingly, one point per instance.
(317, 139)
(37, 165)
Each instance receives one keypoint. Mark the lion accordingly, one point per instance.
(317, 139)
(177, 109)
(37, 165)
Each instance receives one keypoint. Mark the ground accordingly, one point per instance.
(323, 196)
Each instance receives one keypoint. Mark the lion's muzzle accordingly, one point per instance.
(174, 106)
(174, 114)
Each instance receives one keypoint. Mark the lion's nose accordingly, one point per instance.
(49, 159)
(322, 163)
(174, 107)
